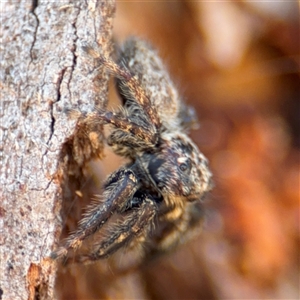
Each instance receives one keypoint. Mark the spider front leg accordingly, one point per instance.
(119, 189)
(136, 223)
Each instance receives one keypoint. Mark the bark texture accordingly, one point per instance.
(43, 71)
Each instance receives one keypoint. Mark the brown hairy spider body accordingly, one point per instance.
(158, 193)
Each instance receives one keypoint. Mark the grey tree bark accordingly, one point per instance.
(44, 71)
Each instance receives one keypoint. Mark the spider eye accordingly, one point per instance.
(183, 167)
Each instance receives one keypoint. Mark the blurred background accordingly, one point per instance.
(237, 63)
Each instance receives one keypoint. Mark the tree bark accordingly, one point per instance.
(44, 71)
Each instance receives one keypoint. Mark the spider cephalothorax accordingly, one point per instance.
(160, 189)
(178, 169)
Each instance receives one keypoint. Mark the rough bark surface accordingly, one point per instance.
(43, 71)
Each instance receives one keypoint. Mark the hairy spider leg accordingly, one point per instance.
(135, 89)
(130, 81)
(127, 135)
(181, 226)
(175, 230)
(119, 189)
(148, 134)
(134, 225)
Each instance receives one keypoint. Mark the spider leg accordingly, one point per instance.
(130, 81)
(145, 132)
(135, 89)
(119, 189)
(128, 135)
(135, 224)
(178, 230)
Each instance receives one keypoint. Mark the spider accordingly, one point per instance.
(159, 191)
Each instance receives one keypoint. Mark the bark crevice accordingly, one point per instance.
(33, 11)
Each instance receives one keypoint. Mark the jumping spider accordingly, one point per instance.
(159, 190)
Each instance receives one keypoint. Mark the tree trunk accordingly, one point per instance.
(44, 71)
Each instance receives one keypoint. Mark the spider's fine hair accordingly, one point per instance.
(158, 193)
